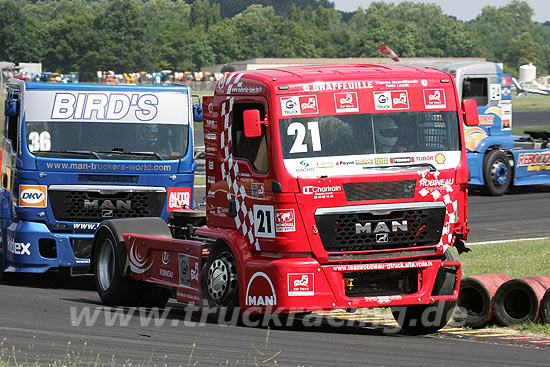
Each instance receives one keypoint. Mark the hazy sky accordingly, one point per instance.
(462, 9)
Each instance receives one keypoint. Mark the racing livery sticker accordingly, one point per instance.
(434, 99)
(528, 159)
(299, 105)
(33, 195)
(346, 102)
(285, 220)
(391, 100)
(260, 291)
(178, 198)
(301, 284)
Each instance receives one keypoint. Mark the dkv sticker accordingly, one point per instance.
(33, 195)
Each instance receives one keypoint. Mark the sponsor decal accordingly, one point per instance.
(434, 98)
(260, 291)
(299, 105)
(345, 163)
(321, 192)
(384, 266)
(211, 179)
(139, 264)
(304, 167)
(33, 196)
(526, 159)
(334, 86)
(364, 162)
(538, 168)
(440, 158)
(391, 100)
(495, 92)
(473, 137)
(178, 198)
(424, 82)
(301, 284)
(326, 164)
(188, 271)
(166, 273)
(258, 191)
(397, 160)
(381, 161)
(486, 119)
(210, 136)
(211, 165)
(165, 257)
(381, 300)
(285, 220)
(424, 182)
(346, 102)
(19, 248)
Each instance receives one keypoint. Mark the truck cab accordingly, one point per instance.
(76, 154)
(497, 159)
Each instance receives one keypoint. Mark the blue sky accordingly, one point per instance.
(462, 9)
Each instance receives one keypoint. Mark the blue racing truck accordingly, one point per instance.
(76, 154)
(497, 159)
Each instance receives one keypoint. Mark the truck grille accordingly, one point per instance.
(356, 191)
(94, 205)
(380, 227)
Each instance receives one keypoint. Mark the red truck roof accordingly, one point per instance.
(251, 81)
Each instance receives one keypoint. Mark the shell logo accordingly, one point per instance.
(473, 137)
(440, 158)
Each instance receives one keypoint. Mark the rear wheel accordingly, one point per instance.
(497, 173)
(113, 286)
(426, 319)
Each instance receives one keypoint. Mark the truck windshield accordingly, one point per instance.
(313, 145)
(101, 140)
(360, 134)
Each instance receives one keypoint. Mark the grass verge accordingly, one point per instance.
(531, 102)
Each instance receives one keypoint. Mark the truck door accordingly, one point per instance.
(10, 147)
(251, 203)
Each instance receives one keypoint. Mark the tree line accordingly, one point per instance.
(153, 35)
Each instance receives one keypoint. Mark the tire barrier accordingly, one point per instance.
(519, 300)
(545, 306)
(476, 299)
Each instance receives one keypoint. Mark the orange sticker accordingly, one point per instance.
(33, 195)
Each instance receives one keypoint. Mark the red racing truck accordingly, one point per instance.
(327, 187)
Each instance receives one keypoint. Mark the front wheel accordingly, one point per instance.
(427, 319)
(497, 173)
(220, 278)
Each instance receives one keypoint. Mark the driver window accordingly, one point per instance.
(253, 150)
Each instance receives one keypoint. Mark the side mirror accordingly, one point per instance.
(197, 109)
(469, 107)
(197, 113)
(11, 107)
(252, 127)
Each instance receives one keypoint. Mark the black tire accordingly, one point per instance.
(113, 286)
(220, 280)
(427, 319)
(497, 173)
(545, 307)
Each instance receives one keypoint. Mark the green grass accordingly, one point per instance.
(200, 180)
(517, 259)
(531, 102)
(520, 130)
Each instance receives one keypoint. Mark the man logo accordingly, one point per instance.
(381, 227)
(260, 291)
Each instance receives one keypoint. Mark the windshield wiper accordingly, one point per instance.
(429, 165)
(121, 151)
(83, 152)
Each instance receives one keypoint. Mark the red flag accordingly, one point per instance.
(385, 50)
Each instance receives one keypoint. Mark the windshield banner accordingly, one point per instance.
(102, 166)
(107, 106)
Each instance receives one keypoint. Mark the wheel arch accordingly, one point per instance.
(152, 226)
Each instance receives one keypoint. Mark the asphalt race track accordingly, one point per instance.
(49, 318)
(36, 321)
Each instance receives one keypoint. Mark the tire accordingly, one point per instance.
(497, 173)
(113, 287)
(220, 280)
(427, 319)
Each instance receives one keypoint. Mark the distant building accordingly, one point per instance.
(262, 63)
